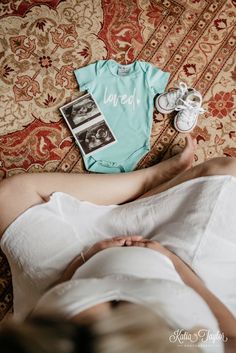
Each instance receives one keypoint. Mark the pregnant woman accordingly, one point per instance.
(162, 238)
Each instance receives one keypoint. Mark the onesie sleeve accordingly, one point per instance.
(86, 75)
(157, 79)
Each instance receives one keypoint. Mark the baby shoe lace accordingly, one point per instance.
(189, 110)
(176, 94)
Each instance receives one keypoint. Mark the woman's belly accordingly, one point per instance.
(133, 261)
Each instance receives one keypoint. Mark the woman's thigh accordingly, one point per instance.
(215, 166)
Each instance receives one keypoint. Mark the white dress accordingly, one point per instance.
(195, 219)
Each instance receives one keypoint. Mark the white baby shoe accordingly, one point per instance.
(167, 102)
(188, 111)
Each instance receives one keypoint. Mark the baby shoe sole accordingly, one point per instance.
(160, 108)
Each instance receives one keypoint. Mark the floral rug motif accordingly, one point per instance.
(43, 41)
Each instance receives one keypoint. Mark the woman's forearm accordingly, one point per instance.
(226, 320)
(70, 270)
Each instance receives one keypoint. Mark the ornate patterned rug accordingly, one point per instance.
(43, 41)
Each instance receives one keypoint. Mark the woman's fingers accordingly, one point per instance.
(136, 243)
(129, 237)
(120, 240)
(113, 242)
(147, 243)
(131, 240)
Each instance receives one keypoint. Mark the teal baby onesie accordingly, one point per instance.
(125, 96)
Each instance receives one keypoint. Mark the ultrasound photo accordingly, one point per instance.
(80, 111)
(88, 124)
(95, 137)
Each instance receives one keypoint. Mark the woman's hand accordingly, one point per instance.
(133, 240)
(110, 243)
(150, 244)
